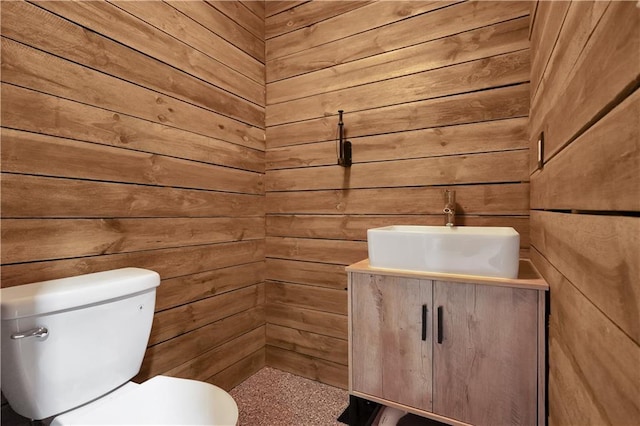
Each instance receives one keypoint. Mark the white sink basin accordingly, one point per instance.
(468, 250)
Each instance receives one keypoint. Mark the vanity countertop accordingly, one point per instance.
(528, 275)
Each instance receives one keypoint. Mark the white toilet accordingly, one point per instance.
(70, 347)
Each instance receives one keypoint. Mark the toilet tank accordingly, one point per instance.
(98, 328)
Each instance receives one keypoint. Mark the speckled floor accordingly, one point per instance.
(275, 398)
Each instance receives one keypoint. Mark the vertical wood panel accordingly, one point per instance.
(584, 227)
(137, 139)
(435, 95)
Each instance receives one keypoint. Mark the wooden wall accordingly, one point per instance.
(585, 201)
(133, 135)
(436, 95)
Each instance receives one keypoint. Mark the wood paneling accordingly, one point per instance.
(436, 95)
(307, 366)
(133, 135)
(585, 224)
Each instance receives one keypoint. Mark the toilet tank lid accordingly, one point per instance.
(68, 293)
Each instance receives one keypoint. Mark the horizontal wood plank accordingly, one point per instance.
(486, 105)
(310, 273)
(189, 288)
(257, 7)
(66, 238)
(602, 358)
(479, 43)
(58, 198)
(498, 199)
(176, 321)
(244, 13)
(476, 168)
(340, 252)
(305, 15)
(599, 170)
(311, 344)
(277, 6)
(355, 227)
(486, 136)
(341, 25)
(551, 16)
(160, 37)
(214, 361)
(169, 354)
(37, 112)
(441, 22)
(217, 23)
(237, 373)
(309, 297)
(324, 323)
(591, 89)
(168, 263)
(36, 27)
(500, 70)
(50, 74)
(30, 153)
(306, 366)
(599, 255)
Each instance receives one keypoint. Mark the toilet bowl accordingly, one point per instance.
(71, 346)
(161, 400)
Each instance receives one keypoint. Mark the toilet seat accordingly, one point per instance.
(161, 400)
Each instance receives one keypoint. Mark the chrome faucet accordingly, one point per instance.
(449, 207)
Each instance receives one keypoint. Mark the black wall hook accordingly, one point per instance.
(344, 148)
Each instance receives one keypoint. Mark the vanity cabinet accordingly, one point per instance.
(458, 351)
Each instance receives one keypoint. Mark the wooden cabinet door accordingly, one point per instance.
(391, 349)
(485, 368)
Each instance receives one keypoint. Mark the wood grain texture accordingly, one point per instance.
(581, 177)
(237, 373)
(390, 357)
(593, 363)
(214, 361)
(601, 77)
(33, 154)
(309, 297)
(155, 31)
(242, 14)
(311, 344)
(501, 199)
(37, 112)
(57, 198)
(35, 27)
(216, 22)
(466, 46)
(342, 25)
(27, 67)
(67, 238)
(499, 70)
(599, 254)
(486, 330)
(487, 105)
(436, 96)
(175, 321)
(136, 138)
(305, 15)
(584, 228)
(312, 368)
(174, 352)
(441, 22)
(324, 323)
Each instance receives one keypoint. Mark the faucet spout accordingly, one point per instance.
(449, 207)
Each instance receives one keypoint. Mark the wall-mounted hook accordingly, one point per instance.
(344, 147)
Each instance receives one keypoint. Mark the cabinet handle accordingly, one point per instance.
(440, 315)
(424, 322)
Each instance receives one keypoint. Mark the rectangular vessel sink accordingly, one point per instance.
(468, 250)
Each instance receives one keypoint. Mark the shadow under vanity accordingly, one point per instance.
(458, 349)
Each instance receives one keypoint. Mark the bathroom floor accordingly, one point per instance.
(275, 398)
